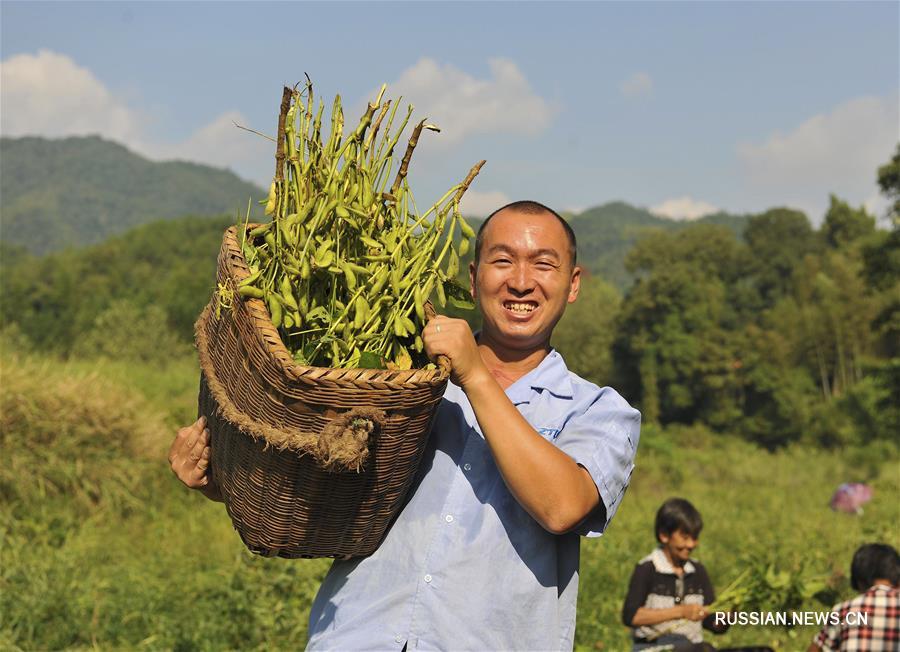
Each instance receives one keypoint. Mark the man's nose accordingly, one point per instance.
(520, 280)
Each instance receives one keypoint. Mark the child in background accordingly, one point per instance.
(668, 592)
(875, 570)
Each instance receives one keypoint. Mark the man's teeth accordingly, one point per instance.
(520, 307)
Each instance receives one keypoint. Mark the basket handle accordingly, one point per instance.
(344, 442)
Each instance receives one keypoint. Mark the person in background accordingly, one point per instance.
(669, 591)
(875, 571)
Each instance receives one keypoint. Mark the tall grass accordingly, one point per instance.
(103, 549)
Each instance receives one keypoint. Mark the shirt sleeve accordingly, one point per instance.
(709, 593)
(829, 638)
(638, 589)
(709, 596)
(603, 439)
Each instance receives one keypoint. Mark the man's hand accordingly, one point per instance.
(693, 611)
(189, 459)
(453, 338)
(547, 483)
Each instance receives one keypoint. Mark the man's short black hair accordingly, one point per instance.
(678, 514)
(874, 561)
(528, 207)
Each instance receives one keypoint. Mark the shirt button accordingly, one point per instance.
(467, 467)
(449, 518)
(427, 578)
(398, 638)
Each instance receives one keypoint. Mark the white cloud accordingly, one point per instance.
(482, 204)
(221, 143)
(462, 105)
(50, 95)
(835, 152)
(683, 208)
(639, 84)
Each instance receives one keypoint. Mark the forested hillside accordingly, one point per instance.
(78, 191)
(606, 233)
(154, 280)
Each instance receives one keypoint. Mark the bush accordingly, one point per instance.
(128, 332)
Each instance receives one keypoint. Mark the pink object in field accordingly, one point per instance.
(850, 497)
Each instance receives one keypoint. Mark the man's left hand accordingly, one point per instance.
(454, 339)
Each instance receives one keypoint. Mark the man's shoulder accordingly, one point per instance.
(585, 389)
(698, 565)
(699, 571)
(875, 595)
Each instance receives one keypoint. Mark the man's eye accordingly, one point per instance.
(543, 264)
(501, 261)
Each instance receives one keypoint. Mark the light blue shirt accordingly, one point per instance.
(464, 566)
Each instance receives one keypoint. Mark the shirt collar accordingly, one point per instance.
(551, 375)
(662, 564)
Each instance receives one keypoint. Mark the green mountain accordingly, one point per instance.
(606, 234)
(77, 191)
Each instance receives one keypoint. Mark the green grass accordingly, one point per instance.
(103, 549)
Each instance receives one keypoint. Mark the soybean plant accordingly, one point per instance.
(347, 262)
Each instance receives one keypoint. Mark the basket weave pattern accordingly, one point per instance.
(265, 416)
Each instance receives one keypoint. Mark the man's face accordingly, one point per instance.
(524, 278)
(679, 545)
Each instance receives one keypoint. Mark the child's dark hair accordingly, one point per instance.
(678, 514)
(874, 561)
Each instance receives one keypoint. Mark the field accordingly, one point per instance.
(103, 549)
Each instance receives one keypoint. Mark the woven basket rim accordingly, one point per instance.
(349, 377)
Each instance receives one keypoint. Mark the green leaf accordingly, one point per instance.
(307, 353)
(370, 360)
(458, 296)
(318, 312)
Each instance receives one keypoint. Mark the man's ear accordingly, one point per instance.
(472, 280)
(574, 284)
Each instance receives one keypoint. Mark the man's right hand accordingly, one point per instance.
(693, 611)
(189, 459)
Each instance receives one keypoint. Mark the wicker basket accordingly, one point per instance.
(269, 417)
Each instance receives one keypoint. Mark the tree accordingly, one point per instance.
(586, 331)
(674, 347)
(778, 239)
(844, 225)
(889, 180)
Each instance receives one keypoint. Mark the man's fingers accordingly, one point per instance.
(196, 435)
(185, 436)
(203, 462)
(199, 444)
(198, 476)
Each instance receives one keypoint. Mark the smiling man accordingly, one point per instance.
(524, 457)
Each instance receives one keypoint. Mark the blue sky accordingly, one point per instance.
(680, 107)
